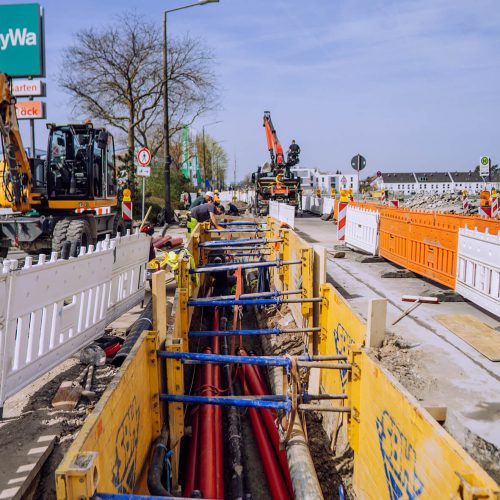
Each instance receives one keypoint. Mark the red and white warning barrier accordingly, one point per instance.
(394, 203)
(97, 211)
(465, 202)
(485, 212)
(494, 206)
(127, 210)
(382, 196)
(342, 219)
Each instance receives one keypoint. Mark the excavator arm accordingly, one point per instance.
(273, 143)
(16, 181)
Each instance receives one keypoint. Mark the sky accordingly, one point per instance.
(409, 84)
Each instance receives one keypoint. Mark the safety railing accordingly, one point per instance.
(362, 229)
(282, 212)
(51, 309)
(478, 269)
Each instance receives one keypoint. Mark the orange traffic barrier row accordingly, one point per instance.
(425, 242)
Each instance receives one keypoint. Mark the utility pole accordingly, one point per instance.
(204, 158)
(166, 125)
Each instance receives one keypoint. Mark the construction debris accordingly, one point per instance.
(446, 202)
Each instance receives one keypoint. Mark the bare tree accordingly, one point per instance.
(115, 75)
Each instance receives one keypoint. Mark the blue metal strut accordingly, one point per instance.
(228, 401)
(222, 358)
(238, 242)
(227, 333)
(244, 265)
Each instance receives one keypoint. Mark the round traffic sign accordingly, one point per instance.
(144, 157)
(485, 160)
(358, 162)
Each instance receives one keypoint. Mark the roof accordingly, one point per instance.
(470, 176)
(399, 177)
(432, 177)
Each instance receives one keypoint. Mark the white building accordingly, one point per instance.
(434, 182)
(312, 179)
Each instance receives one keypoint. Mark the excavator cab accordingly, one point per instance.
(80, 163)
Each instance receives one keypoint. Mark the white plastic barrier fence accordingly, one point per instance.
(316, 205)
(246, 196)
(306, 203)
(478, 269)
(51, 309)
(328, 202)
(362, 229)
(282, 212)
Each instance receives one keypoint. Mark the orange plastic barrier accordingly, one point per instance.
(426, 242)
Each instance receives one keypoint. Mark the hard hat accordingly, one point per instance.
(216, 191)
(209, 194)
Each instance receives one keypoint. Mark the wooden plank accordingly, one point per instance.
(484, 339)
(377, 317)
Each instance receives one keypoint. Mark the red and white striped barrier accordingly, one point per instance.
(485, 212)
(465, 202)
(127, 210)
(97, 211)
(494, 207)
(394, 203)
(342, 220)
(382, 196)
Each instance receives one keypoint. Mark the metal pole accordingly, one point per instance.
(204, 158)
(239, 242)
(143, 195)
(166, 124)
(229, 401)
(32, 135)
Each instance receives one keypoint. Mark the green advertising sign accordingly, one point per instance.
(21, 40)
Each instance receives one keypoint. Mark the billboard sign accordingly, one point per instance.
(23, 87)
(21, 40)
(26, 110)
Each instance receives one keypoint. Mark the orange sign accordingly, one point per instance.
(26, 110)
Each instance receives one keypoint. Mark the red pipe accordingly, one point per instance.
(206, 477)
(253, 386)
(277, 484)
(190, 478)
(219, 453)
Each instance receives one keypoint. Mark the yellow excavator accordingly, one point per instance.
(71, 195)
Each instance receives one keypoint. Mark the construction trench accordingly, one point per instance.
(260, 385)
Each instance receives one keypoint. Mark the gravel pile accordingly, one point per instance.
(448, 202)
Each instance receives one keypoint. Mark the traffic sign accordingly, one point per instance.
(144, 157)
(26, 110)
(484, 166)
(23, 87)
(143, 171)
(358, 162)
(343, 180)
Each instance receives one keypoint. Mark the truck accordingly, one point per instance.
(274, 181)
(70, 195)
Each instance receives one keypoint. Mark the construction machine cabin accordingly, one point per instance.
(71, 195)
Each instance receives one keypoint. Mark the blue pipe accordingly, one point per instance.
(228, 401)
(222, 359)
(239, 223)
(236, 230)
(227, 333)
(274, 293)
(235, 302)
(244, 265)
(233, 243)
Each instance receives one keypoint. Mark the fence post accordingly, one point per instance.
(375, 327)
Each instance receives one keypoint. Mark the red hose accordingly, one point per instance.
(190, 478)
(206, 459)
(253, 386)
(277, 484)
(219, 453)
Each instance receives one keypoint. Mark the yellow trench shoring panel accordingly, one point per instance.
(400, 451)
(112, 449)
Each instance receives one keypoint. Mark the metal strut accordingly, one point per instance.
(261, 331)
(236, 302)
(242, 242)
(275, 293)
(241, 230)
(249, 265)
(240, 223)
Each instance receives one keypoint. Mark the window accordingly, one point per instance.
(399, 186)
(322, 179)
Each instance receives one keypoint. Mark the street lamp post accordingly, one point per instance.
(205, 149)
(166, 125)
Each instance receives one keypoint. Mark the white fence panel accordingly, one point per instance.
(362, 229)
(306, 203)
(316, 205)
(282, 212)
(52, 309)
(328, 202)
(478, 269)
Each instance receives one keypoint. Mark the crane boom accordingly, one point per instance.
(273, 143)
(17, 176)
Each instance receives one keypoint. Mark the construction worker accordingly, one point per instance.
(293, 153)
(198, 201)
(203, 213)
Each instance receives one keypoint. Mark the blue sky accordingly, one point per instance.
(410, 84)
